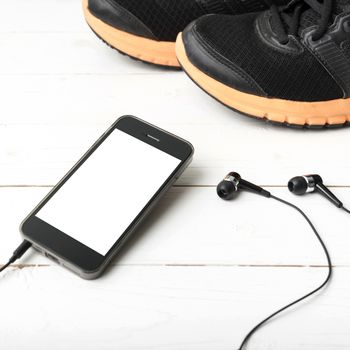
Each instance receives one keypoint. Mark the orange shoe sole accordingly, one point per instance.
(333, 113)
(151, 51)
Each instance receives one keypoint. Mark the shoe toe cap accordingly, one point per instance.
(116, 15)
(205, 57)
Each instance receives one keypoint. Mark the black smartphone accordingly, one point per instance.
(84, 221)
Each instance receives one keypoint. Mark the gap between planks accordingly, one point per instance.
(22, 266)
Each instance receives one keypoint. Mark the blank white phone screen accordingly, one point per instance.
(103, 197)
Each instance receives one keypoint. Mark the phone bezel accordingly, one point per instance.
(70, 252)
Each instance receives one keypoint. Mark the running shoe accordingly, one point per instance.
(288, 65)
(147, 29)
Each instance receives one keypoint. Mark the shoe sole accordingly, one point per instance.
(327, 114)
(161, 53)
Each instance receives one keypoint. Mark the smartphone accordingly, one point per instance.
(88, 216)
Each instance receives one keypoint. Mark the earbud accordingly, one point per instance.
(233, 182)
(300, 185)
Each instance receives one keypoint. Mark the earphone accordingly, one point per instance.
(301, 185)
(233, 183)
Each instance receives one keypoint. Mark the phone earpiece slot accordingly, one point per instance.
(152, 137)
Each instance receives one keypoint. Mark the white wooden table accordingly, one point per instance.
(200, 272)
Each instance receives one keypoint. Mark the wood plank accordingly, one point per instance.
(47, 16)
(168, 308)
(56, 39)
(41, 154)
(192, 226)
(64, 53)
(52, 37)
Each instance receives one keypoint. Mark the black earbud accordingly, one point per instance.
(300, 185)
(233, 182)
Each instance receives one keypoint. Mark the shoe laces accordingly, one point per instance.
(287, 18)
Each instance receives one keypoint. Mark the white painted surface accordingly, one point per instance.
(200, 272)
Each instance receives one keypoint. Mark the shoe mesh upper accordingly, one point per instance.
(298, 77)
(166, 18)
(346, 47)
(310, 17)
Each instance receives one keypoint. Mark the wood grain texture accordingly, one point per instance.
(200, 272)
(266, 157)
(182, 308)
(192, 226)
(38, 16)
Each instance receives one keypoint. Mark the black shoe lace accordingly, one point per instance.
(287, 19)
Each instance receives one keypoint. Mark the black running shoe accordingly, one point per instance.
(287, 65)
(147, 29)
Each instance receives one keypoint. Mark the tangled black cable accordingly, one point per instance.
(329, 275)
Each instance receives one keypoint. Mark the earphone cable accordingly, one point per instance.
(21, 249)
(2, 268)
(346, 210)
(329, 275)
